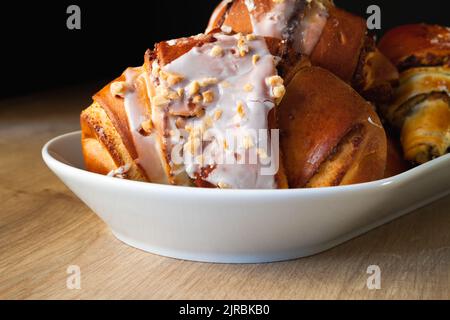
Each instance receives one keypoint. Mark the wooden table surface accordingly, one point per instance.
(44, 229)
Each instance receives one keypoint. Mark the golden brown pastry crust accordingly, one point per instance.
(330, 135)
(417, 45)
(344, 47)
(420, 109)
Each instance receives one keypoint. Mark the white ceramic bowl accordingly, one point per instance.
(242, 226)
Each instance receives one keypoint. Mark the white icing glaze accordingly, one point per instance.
(312, 22)
(148, 148)
(272, 23)
(276, 23)
(233, 76)
(216, 13)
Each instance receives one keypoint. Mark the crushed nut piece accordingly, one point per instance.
(248, 87)
(173, 79)
(216, 51)
(208, 96)
(208, 82)
(274, 81)
(147, 126)
(180, 92)
(197, 99)
(200, 113)
(279, 92)
(243, 47)
(225, 144)
(118, 89)
(240, 109)
(218, 114)
(255, 59)
(194, 88)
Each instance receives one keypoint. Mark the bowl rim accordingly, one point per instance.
(404, 177)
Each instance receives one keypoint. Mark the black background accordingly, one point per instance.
(38, 52)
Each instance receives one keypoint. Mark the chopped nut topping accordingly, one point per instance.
(274, 81)
(279, 92)
(218, 114)
(118, 89)
(225, 144)
(248, 87)
(208, 122)
(173, 79)
(243, 47)
(180, 92)
(197, 99)
(200, 113)
(216, 51)
(194, 88)
(147, 126)
(160, 101)
(255, 59)
(208, 82)
(208, 96)
(173, 95)
(240, 109)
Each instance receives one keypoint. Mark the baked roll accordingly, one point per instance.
(333, 39)
(197, 113)
(331, 136)
(150, 123)
(421, 108)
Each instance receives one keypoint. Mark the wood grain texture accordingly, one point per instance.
(44, 228)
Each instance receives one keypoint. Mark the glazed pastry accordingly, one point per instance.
(177, 119)
(330, 135)
(333, 39)
(421, 108)
(148, 124)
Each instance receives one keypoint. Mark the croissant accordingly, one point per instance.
(333, 39)
(421, 108)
